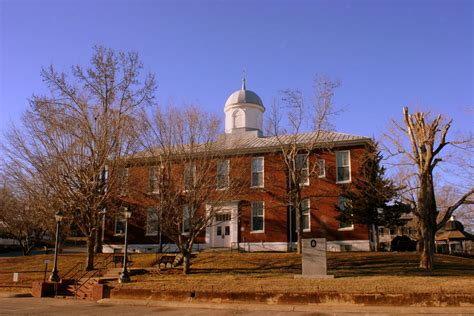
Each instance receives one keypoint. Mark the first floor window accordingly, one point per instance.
(342, 203)
(257, 172)
(343, 162)
(119, 224)
(186, 219)
(258, 216)
(152, 222)
(306, 215)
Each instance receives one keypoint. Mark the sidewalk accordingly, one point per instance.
(339, 309)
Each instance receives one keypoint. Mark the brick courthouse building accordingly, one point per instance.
(258, 219)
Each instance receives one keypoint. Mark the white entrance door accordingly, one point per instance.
(221, 230)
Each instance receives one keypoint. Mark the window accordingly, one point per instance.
(343, 162)
(222, 217)
(257, 172)
(322, 168)
(189, 176)
(154, 177)
(119, 224)
(342, 203)
(257, 217)
(123, 180)
(223, 174)
(152, 222)
(306, 215)
(186, 219)
(381, 231)
(302, 168)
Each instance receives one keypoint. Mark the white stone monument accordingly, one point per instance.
(314, 259)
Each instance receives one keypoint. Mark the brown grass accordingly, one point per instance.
(359, 272)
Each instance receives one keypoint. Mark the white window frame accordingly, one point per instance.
(306, 212)
(252, 231)
(305, 161)
(322, 168)
(349, 227)
(337, 166)
(252, 172)
(154, 180)
(226, 161)
(186, 218)
(119, 218)
(148, 232)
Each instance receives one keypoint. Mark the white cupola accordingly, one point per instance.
(243, 112)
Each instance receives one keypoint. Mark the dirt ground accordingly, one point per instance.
(355, 272)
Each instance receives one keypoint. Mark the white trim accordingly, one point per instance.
(148, 248)
(251, 218)
(348, 228)
(263, 172)
(350, 171)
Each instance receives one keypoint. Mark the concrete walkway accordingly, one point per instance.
(51, 306)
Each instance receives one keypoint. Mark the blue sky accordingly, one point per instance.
(386, 53)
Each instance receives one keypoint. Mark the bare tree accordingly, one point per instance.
(184, 144)
(72, 141)
(427, 140)
(23, 218)
(287, 122)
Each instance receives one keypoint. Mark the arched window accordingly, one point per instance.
(238, 119)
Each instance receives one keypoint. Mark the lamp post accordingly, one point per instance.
(54, 277)
(124, 276)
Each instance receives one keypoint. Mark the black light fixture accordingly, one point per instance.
(124, 276)
(54, 277)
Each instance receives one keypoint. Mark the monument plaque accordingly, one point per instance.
(314, 261)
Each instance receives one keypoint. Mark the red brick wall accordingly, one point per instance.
(322, 192)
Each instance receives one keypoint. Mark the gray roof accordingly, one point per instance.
(250, 142)
(243, 96)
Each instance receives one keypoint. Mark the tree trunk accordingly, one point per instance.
(90, 252)
(186, 263)
(299, 231)
(98, 240)
(427, 221)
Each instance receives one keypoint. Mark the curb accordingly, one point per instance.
(299, 299)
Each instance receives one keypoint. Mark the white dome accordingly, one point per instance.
(243, 96)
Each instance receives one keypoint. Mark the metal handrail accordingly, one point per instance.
(70, 270)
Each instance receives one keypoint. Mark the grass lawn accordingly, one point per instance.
(360, 272)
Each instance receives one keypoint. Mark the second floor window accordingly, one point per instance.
(123, 181)
(302, 169)
(223, 174)
(186, 219)
(154, 176)
(189, 176)
(343, 162)
(152, 222)
(322, 168)
(257, 172)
